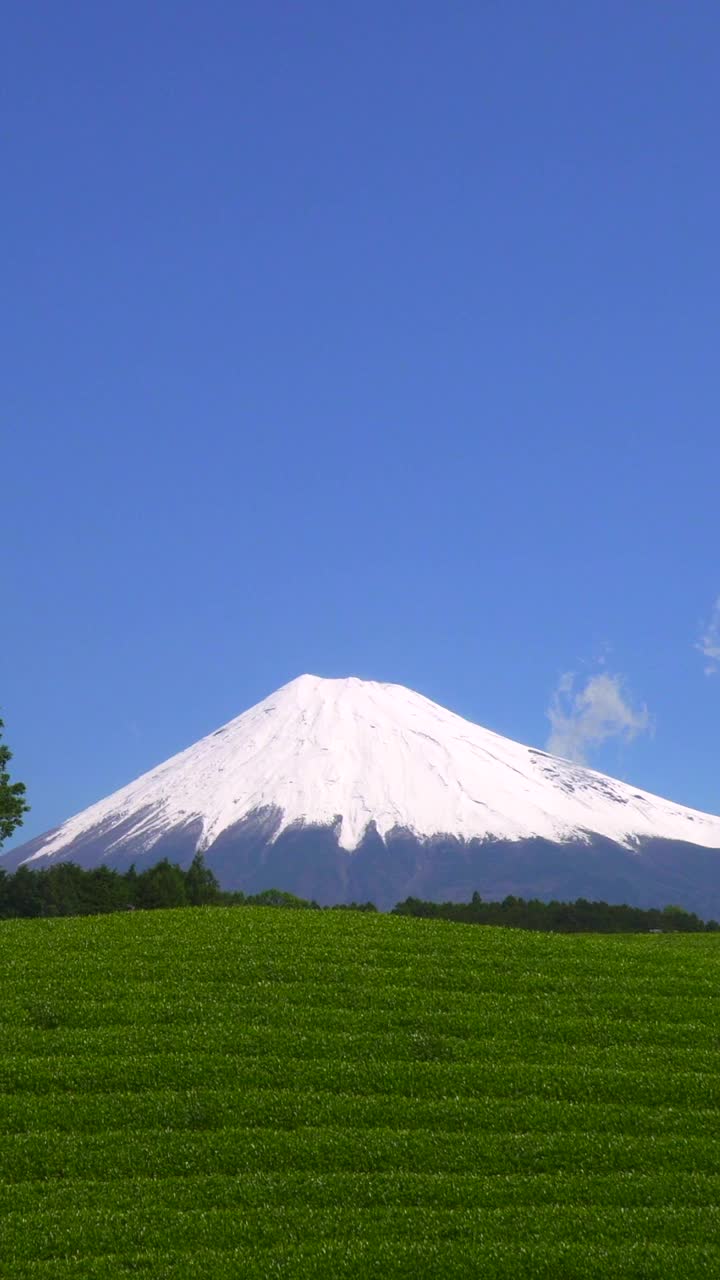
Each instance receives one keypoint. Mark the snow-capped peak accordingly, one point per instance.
(350, 752)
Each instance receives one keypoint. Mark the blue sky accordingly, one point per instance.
(360, 339)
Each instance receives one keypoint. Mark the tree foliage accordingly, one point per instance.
(12, 796)
(580, 916)
(65, 889)
(161, 886)
(201, 884)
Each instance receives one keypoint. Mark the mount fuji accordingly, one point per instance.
(344, 790)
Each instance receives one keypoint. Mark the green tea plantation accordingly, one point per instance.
(260, 1093)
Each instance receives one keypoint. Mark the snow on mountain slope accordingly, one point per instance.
(354, 751)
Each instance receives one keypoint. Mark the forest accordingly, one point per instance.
(66, 889)
(580, 916)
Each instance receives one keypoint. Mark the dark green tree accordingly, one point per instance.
(61, 888)
(201, 884)
(104, 889)
(161, 886)
(23, 896)
(12, 796)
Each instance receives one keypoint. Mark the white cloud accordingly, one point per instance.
(585, 717)
(709, 642)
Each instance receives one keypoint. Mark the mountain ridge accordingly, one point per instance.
(366, 766)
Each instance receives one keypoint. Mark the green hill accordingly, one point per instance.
(256, 1093)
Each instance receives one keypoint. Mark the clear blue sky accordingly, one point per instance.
(358, 338)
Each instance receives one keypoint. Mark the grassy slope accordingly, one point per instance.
(260, 1093)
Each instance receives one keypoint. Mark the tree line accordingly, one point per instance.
(580, 916)
(66, 889)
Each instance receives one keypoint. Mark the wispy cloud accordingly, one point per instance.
(586, 716)
(709, 642)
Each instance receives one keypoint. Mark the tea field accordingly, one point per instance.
(261, 1093)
